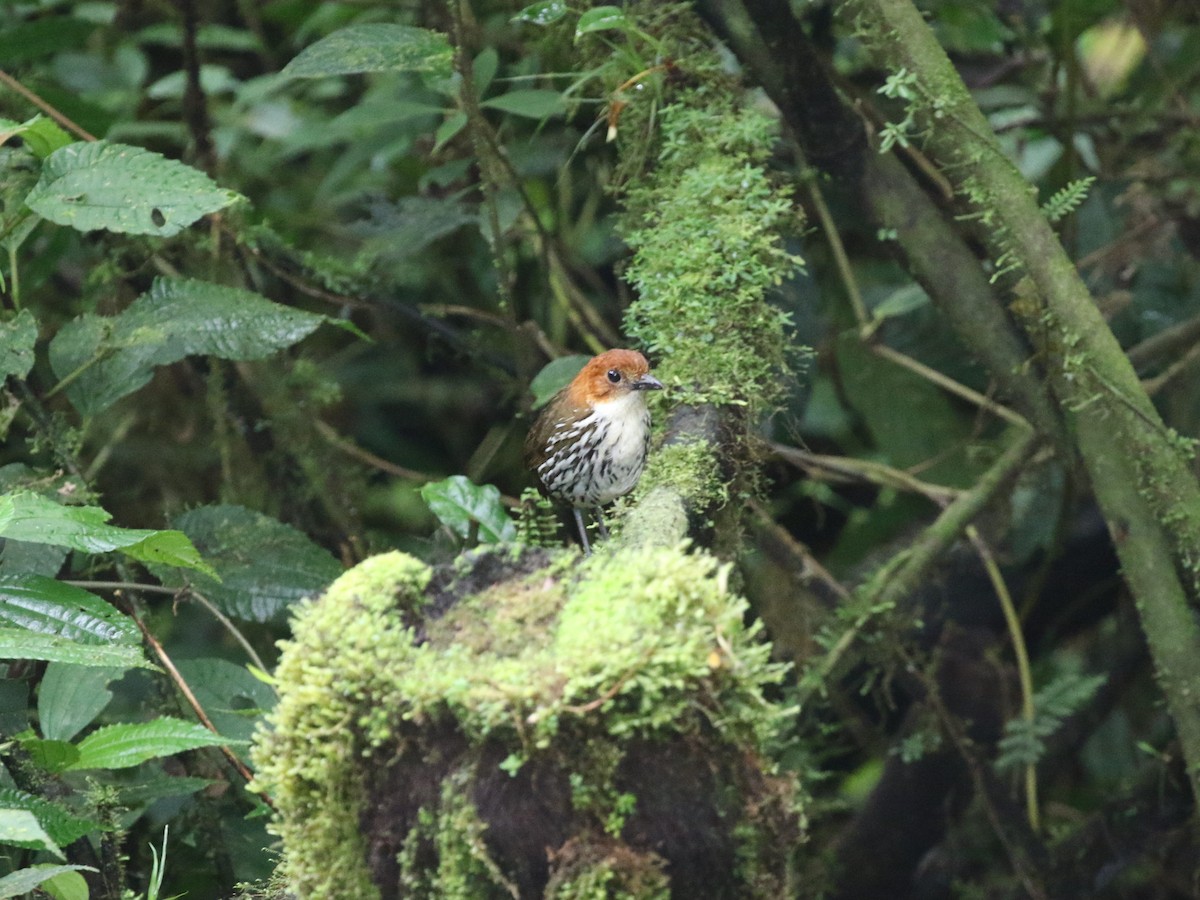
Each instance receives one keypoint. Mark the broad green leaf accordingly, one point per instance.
(101, 359)
(601, 18)
(30, 517)
(89, 186)
(68, 885)
(264, 565)
(20, 828)
(62, 825)
(123, 746)
(461, 505)
(533, 103)
(232, 698)
(17, 337)
(70, 698)
(49, 607)
(41, 135)
(17, 643)
(546, 12)
(53, 756)
(555, 376)
(382, 47)
(22, 882)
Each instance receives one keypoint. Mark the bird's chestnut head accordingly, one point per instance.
(610, 376)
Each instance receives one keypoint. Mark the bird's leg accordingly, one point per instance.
(583, 538)
(600, 525)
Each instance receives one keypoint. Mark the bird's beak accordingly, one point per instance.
(647, 383)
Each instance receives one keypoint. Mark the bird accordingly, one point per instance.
(588, 445)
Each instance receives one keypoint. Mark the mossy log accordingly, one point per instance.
(530, 724)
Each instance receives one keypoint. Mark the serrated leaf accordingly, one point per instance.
(22, 882)
(555, 376)
(533, 103)
(70, 698)
(26, 516)
(52, 756)
(46, 606)
(20, 828)
(601, 18)
(63, 826)
(17, 337)
(382, 47)
(264, 565)
(547, 12)
(99, 185)
(107, 358)
(231, 696)
(405, 228)
(123, 746)
(461, 506)
(17, 643)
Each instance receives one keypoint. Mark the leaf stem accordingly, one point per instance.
(1024, 674)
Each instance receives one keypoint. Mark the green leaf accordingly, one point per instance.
(22, 882)
(382, 47)
(41, 135)
(17, 337)
(403, 229)
(42, 37)
(448, 129)
(601, 18)
(123, 746)
(546, 12)
(20, 828)
(555, 376)
(264, 565)
(231, 697)
(46, 606)
(89, 186)
(17, 643)
(70, 698)
(484, 68)
(461, 505)
(67, 885)
(53, 756)
(901, 301)
(63, 826)
(30, 517)
(154, 786)
(532, 103)
(104, 359)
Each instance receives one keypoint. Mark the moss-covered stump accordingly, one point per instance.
(529, 725)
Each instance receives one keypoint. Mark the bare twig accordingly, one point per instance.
(16, 86)
(190, 697)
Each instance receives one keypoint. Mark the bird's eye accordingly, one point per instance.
(614, 376)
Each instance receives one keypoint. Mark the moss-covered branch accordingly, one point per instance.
(1139, 469)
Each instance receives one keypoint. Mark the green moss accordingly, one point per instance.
(705, 230)
(692, 469)
(335, 684)
(567, 663)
